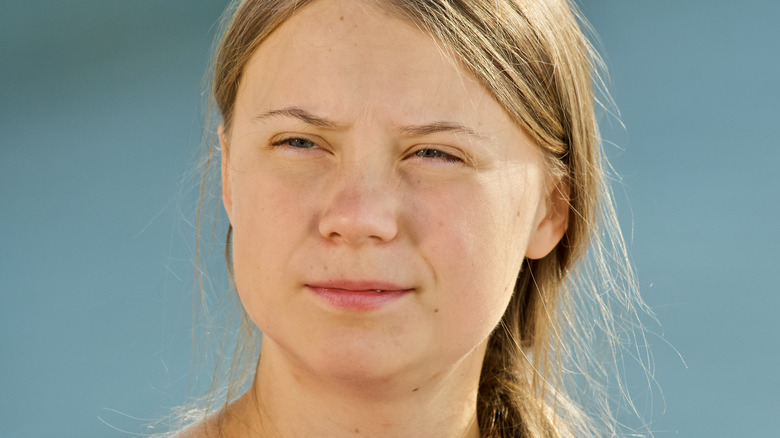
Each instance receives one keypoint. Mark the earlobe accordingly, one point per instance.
(227, 192)
(553, 225)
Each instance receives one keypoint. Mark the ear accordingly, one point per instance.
(553, 224)
(227, 192)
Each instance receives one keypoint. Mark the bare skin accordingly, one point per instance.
(361, 154)
(250, 417)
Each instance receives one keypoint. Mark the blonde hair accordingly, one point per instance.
(534, 58)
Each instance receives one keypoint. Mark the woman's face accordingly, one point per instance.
(381, 200)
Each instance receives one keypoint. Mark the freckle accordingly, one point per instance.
(441, 223)
(435, 310)
(415, 389)
(324, 268)
(357, 430)
(342, 19)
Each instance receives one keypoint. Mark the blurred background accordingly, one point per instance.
(101, 112)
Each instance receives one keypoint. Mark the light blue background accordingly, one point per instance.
(100, 125)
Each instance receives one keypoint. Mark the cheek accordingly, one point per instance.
(273, 206)
(480, 230)
(269, 221)
(474, 242)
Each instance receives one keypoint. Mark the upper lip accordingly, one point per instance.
(358, 285)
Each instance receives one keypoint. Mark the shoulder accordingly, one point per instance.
(206, 428)
(229, 421)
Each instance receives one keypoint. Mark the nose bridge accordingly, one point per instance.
(361, 203)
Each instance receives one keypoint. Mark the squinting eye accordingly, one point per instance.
(435, 153)
(300, 143)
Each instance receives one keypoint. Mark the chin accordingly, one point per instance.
(363, 364)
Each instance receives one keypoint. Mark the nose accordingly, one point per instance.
(360, 207)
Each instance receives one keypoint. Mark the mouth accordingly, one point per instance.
(357, 295)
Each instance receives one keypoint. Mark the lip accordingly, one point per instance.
(357, 295)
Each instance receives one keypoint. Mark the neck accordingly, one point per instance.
(287, 401)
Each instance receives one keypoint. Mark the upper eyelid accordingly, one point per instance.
(456, 153)
(437, 149)
(290, 138)
(278, 139)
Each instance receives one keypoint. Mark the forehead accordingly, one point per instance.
(350, 56)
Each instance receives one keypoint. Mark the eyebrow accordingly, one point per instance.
(441, 126)
(300, 114)
(410, 130)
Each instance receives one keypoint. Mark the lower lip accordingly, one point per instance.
(357, 299)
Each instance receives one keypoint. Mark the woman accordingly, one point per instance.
(411, 188)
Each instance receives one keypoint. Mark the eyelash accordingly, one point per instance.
(288, 141)
(426, 153)
(439, 155)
